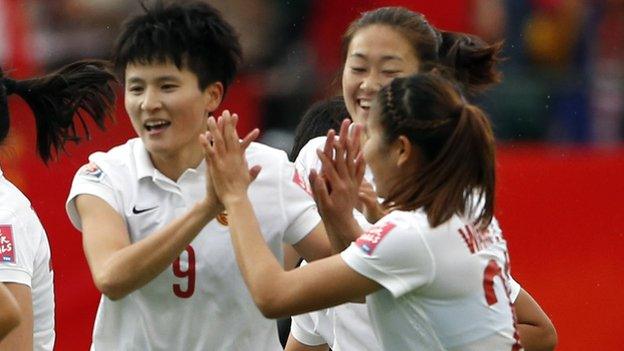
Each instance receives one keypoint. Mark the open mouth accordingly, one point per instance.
(364, 104)
(154, 126)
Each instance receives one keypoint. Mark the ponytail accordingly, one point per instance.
(470, 60)
(78, 88)
(456, 170)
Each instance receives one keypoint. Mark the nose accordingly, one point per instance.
(151, 100)
(372, 82)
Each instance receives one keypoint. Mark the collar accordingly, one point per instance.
(145, 167)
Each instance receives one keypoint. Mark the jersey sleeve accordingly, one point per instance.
(307, 159)
(514, 289)
(394, 254)
(297, 204)
(17, 250)
(90, 179)
(303, 329)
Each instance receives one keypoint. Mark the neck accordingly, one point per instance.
(173, 165)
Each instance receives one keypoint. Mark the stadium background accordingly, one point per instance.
(559, 116)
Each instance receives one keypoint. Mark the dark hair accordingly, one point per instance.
(80, 87)
(317, 120)
(190, 34)
(465, 58)
(456, 171)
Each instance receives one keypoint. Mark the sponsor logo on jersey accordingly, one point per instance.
(7, 245)
(222, 218)
(298, 179)
(91, 170)
(371, 238)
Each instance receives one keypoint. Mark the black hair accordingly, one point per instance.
(190, 34)
(317, 120)
(56, 98)
(456, 167)
(466, 58)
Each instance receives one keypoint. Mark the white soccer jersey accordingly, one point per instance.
(445, 288)
(201, 302)
(25, 255)
(352, 329)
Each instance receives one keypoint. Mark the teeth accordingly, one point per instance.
(155, 124)
(365, 103)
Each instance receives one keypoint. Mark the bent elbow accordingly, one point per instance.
(551, 339)
(110, 287)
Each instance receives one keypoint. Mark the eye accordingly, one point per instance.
(391, 72)
(358, 69)
(168, 86)
(135, 89)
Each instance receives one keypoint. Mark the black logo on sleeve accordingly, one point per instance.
(135, 210)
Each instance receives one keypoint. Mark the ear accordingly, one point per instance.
(405, 151)
(213, 95)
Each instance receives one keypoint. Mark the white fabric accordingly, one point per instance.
(25, 259)
(220, 314)
(434, 295)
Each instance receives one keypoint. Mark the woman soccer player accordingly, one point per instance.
(25, 268)
(380, 45)
(436, 271)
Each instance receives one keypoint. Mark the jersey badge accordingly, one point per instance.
(222, 218)
(91, 170)
(372, 237)
(298, 179)
(7, 245)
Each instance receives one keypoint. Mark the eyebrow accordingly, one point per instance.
(383, 58)
(158, 79)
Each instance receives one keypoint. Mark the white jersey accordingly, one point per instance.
(201, 302)
(349, 324)
(444, 288)
(25, 255)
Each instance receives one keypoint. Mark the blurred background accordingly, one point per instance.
(558, 114)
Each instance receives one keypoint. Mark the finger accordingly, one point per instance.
(339, 159)
(254, 171)
(329, 143)
(230, 136)
(249, 138)
(319, 190)
(360, 168)
(217, 139)
(328, 169)
(353, 145)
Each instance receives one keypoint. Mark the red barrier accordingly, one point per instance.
(560, 209)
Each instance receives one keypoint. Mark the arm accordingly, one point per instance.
(21, 338)
(107, 246)
(294, 345)
(323, 283)
(10, 316)
(537, 333)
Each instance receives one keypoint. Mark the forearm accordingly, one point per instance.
(136, 264)
(342, 232)
(259, 267)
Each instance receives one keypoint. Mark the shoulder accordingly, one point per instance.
(309, 149)
(391, 232)
(118, 162)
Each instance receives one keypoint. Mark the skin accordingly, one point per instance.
(10, 319)
(155, 93)
(375, 56)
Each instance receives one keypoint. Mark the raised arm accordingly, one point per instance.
(110, 254)
(323, 283)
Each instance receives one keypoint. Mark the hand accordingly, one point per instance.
(369, 205)
(336, 189)
(225, 156)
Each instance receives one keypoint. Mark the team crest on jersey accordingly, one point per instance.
(91, 170)
(298, 179)
(7, 245)
(222, 218)
(371, 238)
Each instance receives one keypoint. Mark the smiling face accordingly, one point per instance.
(376, 54)
(167, 109)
